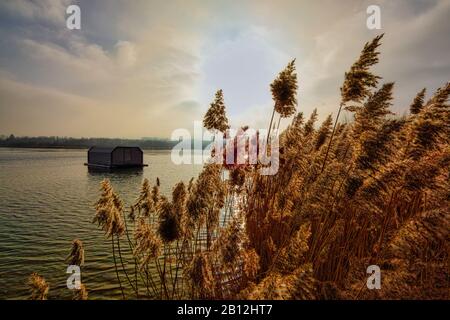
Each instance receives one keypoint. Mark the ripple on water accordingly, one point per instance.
(46, 201)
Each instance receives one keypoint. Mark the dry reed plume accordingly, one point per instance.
(347, 195)
(38, 287)
(76, 256)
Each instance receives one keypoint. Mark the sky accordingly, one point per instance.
(145, 68)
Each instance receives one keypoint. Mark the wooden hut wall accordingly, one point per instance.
(127, 156)
(100, 157)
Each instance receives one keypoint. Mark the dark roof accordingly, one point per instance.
(101, 149)
(109, 149)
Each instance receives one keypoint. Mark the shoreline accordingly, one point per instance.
(72, 148)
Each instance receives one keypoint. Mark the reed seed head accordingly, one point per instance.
(284, 91)
(76, 256)
(38, 287)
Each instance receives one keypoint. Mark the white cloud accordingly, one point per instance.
(126, 54)
(52, 11)
(155, 66)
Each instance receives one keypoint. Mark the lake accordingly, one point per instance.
(46, 201)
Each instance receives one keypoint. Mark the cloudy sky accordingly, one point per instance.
(144, 68)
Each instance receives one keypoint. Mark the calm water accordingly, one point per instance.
(46, 201)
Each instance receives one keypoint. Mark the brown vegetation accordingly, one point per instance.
(375, 191)
(346, 196)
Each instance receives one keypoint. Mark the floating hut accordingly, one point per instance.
(115, 157)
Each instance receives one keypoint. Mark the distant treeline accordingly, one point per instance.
(81, 143)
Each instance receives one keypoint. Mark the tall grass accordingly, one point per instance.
(347, 195)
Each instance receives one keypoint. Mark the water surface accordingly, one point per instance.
(46, 201)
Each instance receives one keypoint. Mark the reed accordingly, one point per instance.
(38, 287)
(375, 190)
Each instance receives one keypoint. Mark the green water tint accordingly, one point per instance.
(46, 201)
